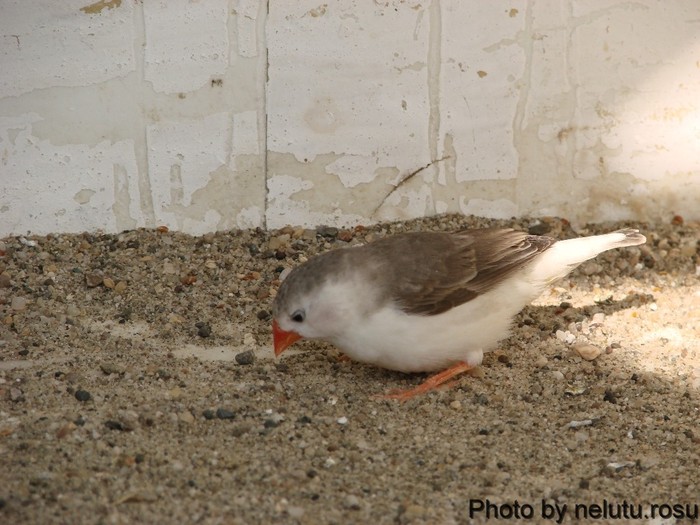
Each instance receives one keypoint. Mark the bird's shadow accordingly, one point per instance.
(553, 317)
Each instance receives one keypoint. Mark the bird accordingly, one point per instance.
(426, 301)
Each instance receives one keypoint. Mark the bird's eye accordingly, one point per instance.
(298, 316)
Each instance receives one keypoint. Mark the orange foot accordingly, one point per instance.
(429, 384)
(343, 358)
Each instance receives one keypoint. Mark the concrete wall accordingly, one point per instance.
(216, 114)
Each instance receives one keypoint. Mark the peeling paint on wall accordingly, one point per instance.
(98, 7)
(194, 180)
(214, 115)
(58, 188)
(76, 105)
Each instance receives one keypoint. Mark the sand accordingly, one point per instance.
(138, 385)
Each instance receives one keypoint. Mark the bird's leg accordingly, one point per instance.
(432, 382)
(343, 358)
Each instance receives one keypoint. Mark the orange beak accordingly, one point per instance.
(282, 338)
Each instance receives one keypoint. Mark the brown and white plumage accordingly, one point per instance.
(430, 300)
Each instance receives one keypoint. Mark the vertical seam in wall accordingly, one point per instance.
(572, 87)
(433, 73)
(141, 147)
(264, 75)
(526, 41)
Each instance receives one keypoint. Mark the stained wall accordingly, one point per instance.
(218, 114)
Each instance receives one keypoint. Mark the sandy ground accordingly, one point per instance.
(138, 385)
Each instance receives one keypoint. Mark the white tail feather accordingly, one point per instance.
(566, 255)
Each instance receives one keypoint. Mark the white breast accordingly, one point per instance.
(395, 340)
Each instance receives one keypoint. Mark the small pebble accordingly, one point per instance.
(128, 419)
(16, 395)
(327, 231)
(575, 390)
(203, 329)
(66, 430)
(610, 396)
(186, 417)
(588, 352)
(413, 513)
(176, 318)
(28, 242)
(591, 268)
(82, 395)
(342, 420)
(481, 399)
(93, 280)
(345, 235)
(279, 242)
(245, 358)
(556, 374)
(477, 372)
(566, 337)
(352, 502)
(111, 368)
(647, 462)
(5, 280)
(582, 423)
(224, 413)
(175, 393)
(541, 361)
(114, 425)
(618, 466)
(72, 310)
(18, 304)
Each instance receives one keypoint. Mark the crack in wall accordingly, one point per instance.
(404, 180)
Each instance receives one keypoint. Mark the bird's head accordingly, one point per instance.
(304, 308)
(290, 320)
(318, 300)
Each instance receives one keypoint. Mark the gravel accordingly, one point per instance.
(138, 384)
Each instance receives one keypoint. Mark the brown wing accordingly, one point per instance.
(431, 272)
